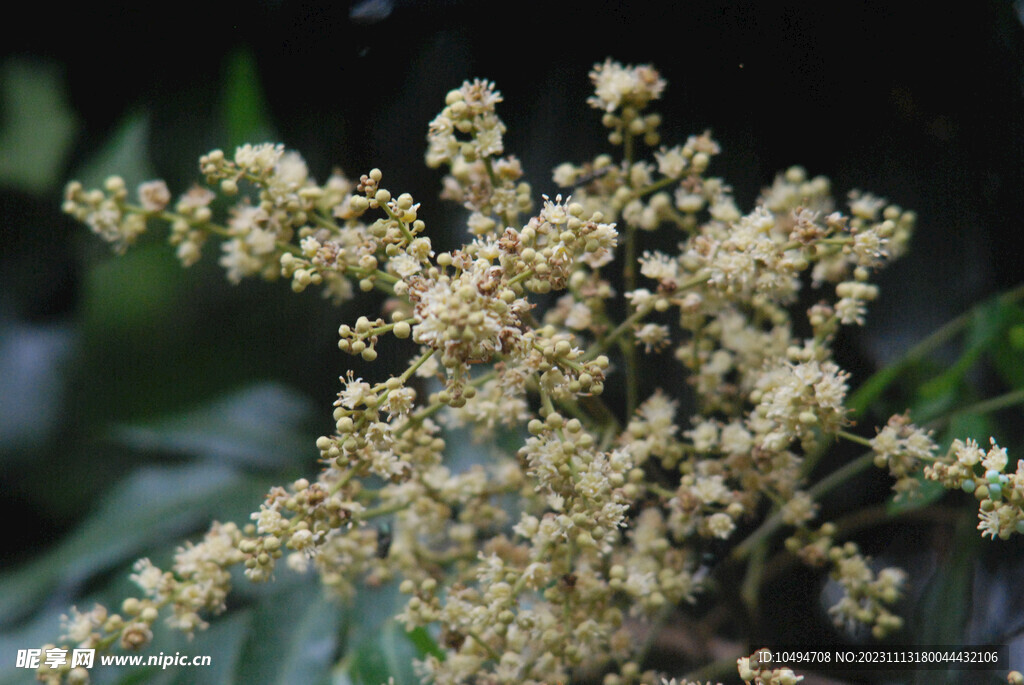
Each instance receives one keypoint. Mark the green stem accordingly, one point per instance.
(416, 365)
(379, 275)
(657, 185)
(854, 438)
(545, 400)
(620, 330)
(383, 510)
(627, 325)
(493, 177)
(490, 650)
(430, 410)
(594, 405)
(751, 589)
(826, 484)
(992, 404)
(652, 635)
(660, 491)
(343, 481)
(323, 222)
(630, 354)
(520, 277)
(406, 233)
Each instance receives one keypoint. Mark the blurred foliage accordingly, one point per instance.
(99, 421)
(99, 416)
(38, 126)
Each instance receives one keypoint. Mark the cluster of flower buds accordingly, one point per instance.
(612, 508)
(982, 473)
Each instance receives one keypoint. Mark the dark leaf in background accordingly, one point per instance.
(265, 426)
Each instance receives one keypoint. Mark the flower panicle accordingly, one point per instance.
(535, 564)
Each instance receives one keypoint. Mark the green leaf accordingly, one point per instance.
(945, 604)
(294, 637)
(387, 654)
(151, 508)
(38, 126)
(39, 630)
(136, 294)
(1008, 357)
(872, 388)
(963, 426)
(989, 324)
(223, 641)
(424, 643)
(985, 322)
(125, 153)
(260, 425)
(382, 648)
(245, 109)
(33, 363)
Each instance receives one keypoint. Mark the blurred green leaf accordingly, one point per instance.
(928, 493)
(381, 648)
(245, 109)
(424, 643)
(125, 153)
(223, 641)
(984, 324)
(260, 425)
(272, 634)
(38, 125)
(30, 634)
(989, 322)
(945, 604)
(963, 426)
(139, 292)
(294, 637)
(151, 508)
(1008, 358)
(871, 389)
(387, 654)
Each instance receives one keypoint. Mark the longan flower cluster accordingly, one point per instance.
(866, 593)
(545, 253)
(1000, 495)
(541, 564)
(794, 400)
(901, 447)
(285, 201)
(467, 137)
(467, 317)
(197, 584)
(904, 447)
(581, 483)
(102, 210)
(650, 571)
(627, 90)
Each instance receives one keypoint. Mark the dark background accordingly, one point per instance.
(921, 103)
